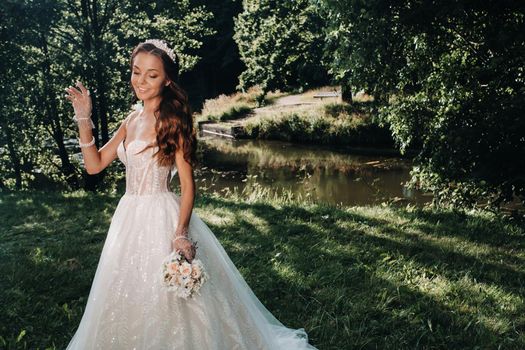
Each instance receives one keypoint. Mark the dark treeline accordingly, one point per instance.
(447, 77)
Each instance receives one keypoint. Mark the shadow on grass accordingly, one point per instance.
(357, 285)
(364, 277)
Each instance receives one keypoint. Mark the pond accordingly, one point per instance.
(325, 174)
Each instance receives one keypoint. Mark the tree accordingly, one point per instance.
(52, 44)
(280, 42)
(448, 76)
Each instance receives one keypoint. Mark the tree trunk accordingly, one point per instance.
(346, 93)
(52, 118)
(15, 160)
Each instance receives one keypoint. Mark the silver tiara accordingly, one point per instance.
(161, 44)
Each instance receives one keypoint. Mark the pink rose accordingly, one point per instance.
(173, 267)
(185, 269)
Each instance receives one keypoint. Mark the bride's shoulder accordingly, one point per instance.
(129, 117)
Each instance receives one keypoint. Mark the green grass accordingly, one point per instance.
(234, 112)
(308, 120)
(375, 277)
(328, 123)
(234, 106)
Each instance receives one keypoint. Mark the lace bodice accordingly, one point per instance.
(143, 174)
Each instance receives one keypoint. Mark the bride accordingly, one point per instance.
(128, 307)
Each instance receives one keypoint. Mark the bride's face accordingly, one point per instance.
(147, 76)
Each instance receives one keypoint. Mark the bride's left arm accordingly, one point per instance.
(187, 186)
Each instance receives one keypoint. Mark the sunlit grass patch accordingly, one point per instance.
(234, 106)
(329, 123)
(354, 277)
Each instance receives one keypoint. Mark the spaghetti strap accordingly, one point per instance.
(129, 119)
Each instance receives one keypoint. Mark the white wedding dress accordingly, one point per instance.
(128, 308)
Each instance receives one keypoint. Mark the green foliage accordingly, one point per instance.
(280, 42)
(51, 44)
(334, 124)
(227, 107)
(234, 112)
(448, 79)
(236, 105)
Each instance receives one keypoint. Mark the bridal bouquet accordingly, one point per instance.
(183, 278)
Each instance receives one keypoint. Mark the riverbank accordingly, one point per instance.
(353, 277)
(324, 173)
(297, 118)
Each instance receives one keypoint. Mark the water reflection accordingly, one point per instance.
(325, 174)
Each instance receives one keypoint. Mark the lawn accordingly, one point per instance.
(374, 277)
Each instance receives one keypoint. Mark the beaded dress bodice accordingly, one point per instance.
(143, 174)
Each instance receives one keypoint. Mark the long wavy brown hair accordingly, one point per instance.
(174, 119)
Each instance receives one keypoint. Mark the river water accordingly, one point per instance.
(324, 174)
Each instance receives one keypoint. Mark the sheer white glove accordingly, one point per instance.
(81, 104)
(185, 247)
(183, 244)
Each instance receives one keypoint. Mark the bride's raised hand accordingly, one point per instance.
(80, 99)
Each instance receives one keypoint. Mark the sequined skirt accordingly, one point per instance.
(128, 307)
